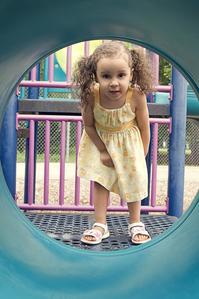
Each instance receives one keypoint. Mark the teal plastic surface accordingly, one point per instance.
(192, 102)
(32, 266)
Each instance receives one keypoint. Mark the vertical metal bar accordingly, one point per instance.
(146, 201)
(45, 90)
(62, 162)
(77, 179)
(8, 147)
(167, 196)
(51, 68)
(31, 162)
(154, 164)
(67, 141)
(86, 49)
(122, 203)
(177, 144)
(155, 68)
(91, 193)
(46, 162)
(33, 74)
(68, 63)
(33, 93)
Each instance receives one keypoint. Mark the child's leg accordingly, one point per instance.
(101, 196)
(134, 216)
(134, 211)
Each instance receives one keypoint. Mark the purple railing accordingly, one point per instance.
(61, 84)
(61, 205)
(77, 205)
(50, 83)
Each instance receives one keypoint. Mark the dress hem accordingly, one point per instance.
(139, 197)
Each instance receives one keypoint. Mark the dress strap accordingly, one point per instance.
(129, 95)
(96, 92)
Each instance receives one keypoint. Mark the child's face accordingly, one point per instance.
(113, 76)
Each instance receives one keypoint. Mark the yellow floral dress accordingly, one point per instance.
(119, 131)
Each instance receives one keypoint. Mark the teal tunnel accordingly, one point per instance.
(32, 265)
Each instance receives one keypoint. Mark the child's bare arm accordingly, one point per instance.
(142, 117)
(89, 125)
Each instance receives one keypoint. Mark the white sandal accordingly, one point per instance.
(96, 234)
(138, 228)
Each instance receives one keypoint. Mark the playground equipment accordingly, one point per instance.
(39, 100)
(34, 266)
(34, 103)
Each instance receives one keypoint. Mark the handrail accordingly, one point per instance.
(48, 119)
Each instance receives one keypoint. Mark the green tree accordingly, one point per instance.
(164, 72)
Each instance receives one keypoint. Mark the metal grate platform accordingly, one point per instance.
(68, 228)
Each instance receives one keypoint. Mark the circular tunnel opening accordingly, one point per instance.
(44, 90)
(26, 272)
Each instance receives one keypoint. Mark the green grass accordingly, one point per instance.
(40, 157)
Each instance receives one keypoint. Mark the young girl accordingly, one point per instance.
(113, 82)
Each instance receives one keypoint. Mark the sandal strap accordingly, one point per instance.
(103, 226)
(136, 224)
(93, 233)
(137, 228)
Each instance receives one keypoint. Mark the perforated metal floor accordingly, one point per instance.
(68, 228)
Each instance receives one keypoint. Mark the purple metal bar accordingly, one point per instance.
(167, 198)
(62, 162)
(122, 203)
(170, 125)
(154, 164)
(91, 193)
(163, 88)
(87, 208)
(155, 68)
(171, 92)
(61, 205)
(51, 68)
(77, 179)
(75, 118)
(53, 84)
(46, 162)
(31, 163)
(160, 120)
(86, 49)
(48, 117)
(68, 63)
(33, 73)
(29, 83)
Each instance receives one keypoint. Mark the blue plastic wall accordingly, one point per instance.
(31, 264)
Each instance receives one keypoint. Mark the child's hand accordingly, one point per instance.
(106, 159)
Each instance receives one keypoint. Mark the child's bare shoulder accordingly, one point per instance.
(91, 98)
(87, 111)
(138, 95)
(89, 103)
(137, 92)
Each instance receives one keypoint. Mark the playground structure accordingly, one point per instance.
(57, 73)
(55, 279)
(52, 74)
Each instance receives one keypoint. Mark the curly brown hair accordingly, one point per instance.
(85, 73)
